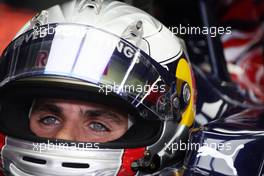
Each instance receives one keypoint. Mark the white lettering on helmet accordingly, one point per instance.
(37, 33)
(125, 49)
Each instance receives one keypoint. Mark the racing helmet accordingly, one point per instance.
(106, 52)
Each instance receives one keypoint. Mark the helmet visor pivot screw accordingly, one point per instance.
(186, 93)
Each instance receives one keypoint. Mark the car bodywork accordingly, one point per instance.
(229, 137)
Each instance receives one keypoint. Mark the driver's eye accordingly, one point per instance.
(98, 127)
(49, 120)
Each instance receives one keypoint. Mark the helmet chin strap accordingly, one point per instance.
(130, 121)
(31, 108)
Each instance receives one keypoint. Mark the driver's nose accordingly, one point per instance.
(67, 132)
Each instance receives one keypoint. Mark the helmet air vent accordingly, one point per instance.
(39, 20)
(92, 4)
(134, 33)
(76, 165)
(34, 160)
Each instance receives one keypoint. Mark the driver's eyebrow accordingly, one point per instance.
(49, 107)
(99, 113)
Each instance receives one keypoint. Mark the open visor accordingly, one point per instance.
(101, 59)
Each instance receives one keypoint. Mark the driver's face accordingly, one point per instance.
(76, 120)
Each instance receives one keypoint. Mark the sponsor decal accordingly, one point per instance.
(214, 153)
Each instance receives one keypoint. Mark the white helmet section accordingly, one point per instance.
(115, 17)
